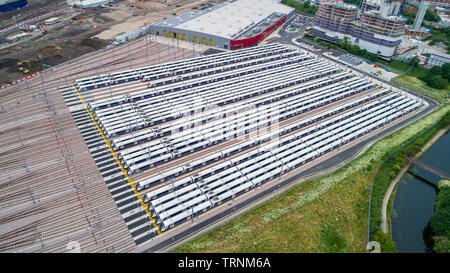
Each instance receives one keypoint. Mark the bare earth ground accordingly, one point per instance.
(92, 30)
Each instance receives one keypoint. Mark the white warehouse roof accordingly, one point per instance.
(228, 19)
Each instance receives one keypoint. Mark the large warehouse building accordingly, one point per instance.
(229, 25)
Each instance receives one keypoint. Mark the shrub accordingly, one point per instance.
(396, 168)
(386, 243)
(441, 244)
(446, 71)
(440, 221)
(331, 240)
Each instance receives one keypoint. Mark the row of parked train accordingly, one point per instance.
(200, 193)
(178, 67)
(246, 145)
(199, 102)
(166, 129)
(190, 141)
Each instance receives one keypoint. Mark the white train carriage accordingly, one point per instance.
(164, 189)
(218, 181)
(179, 218)
(137, 168)
(365, 127)
(172, 195)
(224, 197)
(167, 206)
(226, 186)
(179, 208)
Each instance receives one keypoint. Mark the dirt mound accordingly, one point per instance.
(48, 51)
(94, 43)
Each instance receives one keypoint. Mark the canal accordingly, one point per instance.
(414, 199)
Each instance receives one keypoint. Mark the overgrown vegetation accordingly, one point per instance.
(441, 34)
(331, 240)
(437, 77)
(328, 212)
(305, 7)
(440, 222)
(386, 243)
(393, 165)
(416, 84)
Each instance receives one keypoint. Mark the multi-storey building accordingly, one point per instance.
(432, 3)
(373, 29)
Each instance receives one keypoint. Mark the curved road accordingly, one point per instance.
(321, 167)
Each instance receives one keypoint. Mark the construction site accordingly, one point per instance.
(123, 148)
(80, 165)
(80, 31)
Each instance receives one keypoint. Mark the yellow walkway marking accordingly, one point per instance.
(118, 163)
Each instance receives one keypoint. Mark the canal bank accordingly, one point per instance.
(415, 195)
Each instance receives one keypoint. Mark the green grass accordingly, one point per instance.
(331, 240)
(392, 167)
(414, 81)
(314, 216)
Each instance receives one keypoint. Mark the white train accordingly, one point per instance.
(251, 143)
(263, 171)
(219, 101)
(178, 67)
(201, 139)
(215, 114)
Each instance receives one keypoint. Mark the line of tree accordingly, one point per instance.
(306, 7)
(440, 221)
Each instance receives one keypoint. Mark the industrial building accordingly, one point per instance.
(6, 5)
(374, 28)
(436, 58)
(229, 25)
(92, 3)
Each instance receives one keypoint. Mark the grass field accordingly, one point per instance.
(443, 93)
(327, 214)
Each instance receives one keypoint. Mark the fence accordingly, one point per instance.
(418, 90)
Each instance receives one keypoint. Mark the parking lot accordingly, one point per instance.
(299, 23)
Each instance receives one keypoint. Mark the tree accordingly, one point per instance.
(345, 44)
(446, 71)
(364, 53)
(431, 16)
(437, 82)
(440, 221)
(436, 70)
(414, 61)
(306, 5)
(441, 244)
(354, 49)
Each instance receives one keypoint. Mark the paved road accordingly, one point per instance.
(327, 164)
(323, 166)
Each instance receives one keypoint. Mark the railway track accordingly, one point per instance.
(52, 191)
